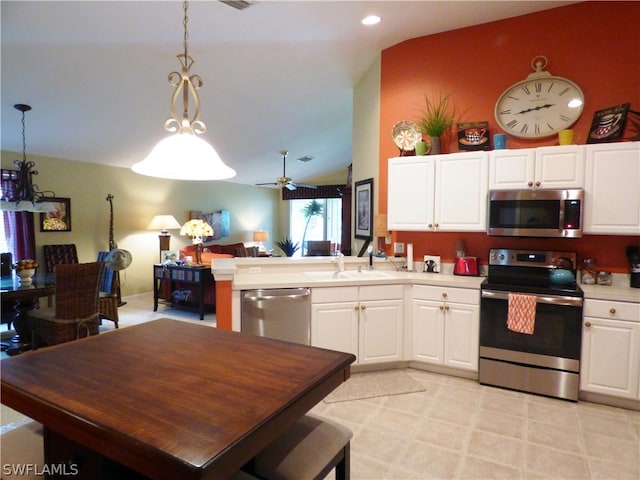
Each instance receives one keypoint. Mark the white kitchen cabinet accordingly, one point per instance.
(612, 189)
(438, 192)
(543, 167)
(366, 321)
(610, 348)
(445, 326)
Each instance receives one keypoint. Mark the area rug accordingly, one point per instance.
(374, 384)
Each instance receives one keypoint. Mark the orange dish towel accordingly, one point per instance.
(522, 313)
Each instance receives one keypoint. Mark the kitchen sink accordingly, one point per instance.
(330, 276)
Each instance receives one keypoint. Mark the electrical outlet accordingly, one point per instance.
(255, 269)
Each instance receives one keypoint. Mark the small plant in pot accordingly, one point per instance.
(287, 246)
(437, 117)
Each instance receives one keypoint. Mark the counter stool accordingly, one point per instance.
(310, 449)
(23, 445)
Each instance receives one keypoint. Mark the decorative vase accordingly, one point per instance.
(25, 275)
(435, 145)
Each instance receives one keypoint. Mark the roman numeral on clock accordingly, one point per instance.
(512, 123)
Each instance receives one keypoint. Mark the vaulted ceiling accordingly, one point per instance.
(277, 75)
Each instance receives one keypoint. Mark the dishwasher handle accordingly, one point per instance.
(275, 294)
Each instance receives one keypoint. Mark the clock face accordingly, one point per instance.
(539, 107)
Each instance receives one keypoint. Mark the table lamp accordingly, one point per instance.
(196, 229)
(164, 223)
(261, 236)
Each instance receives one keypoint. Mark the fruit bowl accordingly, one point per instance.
(25, 269)
(25, 275)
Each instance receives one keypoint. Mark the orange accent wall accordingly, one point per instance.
(595, 44)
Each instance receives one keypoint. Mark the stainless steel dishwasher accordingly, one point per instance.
(283, 314)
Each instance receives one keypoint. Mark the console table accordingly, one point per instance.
(197, 275)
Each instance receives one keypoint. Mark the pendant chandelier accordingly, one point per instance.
(184, 155)
(25, 197)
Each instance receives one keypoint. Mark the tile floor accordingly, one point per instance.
(458, 429)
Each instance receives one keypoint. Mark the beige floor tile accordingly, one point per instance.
(552, 463)
(476, 468)
(509, 425)
(563, 438)
(612, 426)
(443, 434)
(497, 449)
(394, 421)
(375, 443)
(603, 470)
(611, 449)
(452, 412)
(556, 413)
(504, 401)
(428, 460)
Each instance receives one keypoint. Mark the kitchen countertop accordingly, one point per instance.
(245, 281)
(289, 273)
(618, 293)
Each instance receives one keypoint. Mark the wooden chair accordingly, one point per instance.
(108, 297)
(75, 311)
(318, 248)
(310, 449)
(8, 313)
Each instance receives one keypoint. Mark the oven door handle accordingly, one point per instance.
(547, 299)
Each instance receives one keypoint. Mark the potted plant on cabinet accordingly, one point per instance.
(437, 117)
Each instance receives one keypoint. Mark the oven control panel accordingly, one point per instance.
(532, 258)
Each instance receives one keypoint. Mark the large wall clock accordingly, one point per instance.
(540, 105)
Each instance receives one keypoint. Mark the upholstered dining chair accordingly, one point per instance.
(57, 254)
(75, 311)
(108, 297)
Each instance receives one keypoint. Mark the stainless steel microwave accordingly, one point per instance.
(536, 213)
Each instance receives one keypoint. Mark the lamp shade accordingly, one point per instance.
(184, 156)
(163, 223)
(260, 236)
(196, 229)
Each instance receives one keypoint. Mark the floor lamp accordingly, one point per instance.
(164, 223)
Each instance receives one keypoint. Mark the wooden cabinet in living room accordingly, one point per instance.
(445, 326)
(366, 321)
(612, 189)
(610, 362)
(438, 192)
(543, 167)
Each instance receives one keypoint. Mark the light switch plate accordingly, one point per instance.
(398, 249)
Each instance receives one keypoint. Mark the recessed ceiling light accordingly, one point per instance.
(371, 20)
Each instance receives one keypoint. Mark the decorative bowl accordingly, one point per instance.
(562, 276)
(25, 275)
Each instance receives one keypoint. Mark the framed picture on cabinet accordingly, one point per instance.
(608, 124)
(59, 219)
(473, 136)
(363, 209)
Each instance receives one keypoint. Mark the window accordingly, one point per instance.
(327, 225)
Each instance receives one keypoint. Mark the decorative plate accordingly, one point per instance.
(406, 134)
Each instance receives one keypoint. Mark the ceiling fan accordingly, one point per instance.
(285, 181)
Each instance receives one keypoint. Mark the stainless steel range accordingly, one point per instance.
(545, 360)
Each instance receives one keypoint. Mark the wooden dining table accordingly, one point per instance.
(167, 399)
(24, 297)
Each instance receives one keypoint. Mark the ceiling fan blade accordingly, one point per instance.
(290, 186)
(304, 185)
(267, 183)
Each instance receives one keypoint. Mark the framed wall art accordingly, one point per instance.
(363, 209)
(58, 220)
(608, 124)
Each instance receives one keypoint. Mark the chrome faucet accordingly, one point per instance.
(370, 252)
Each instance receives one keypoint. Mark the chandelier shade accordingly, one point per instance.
(184, 155)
